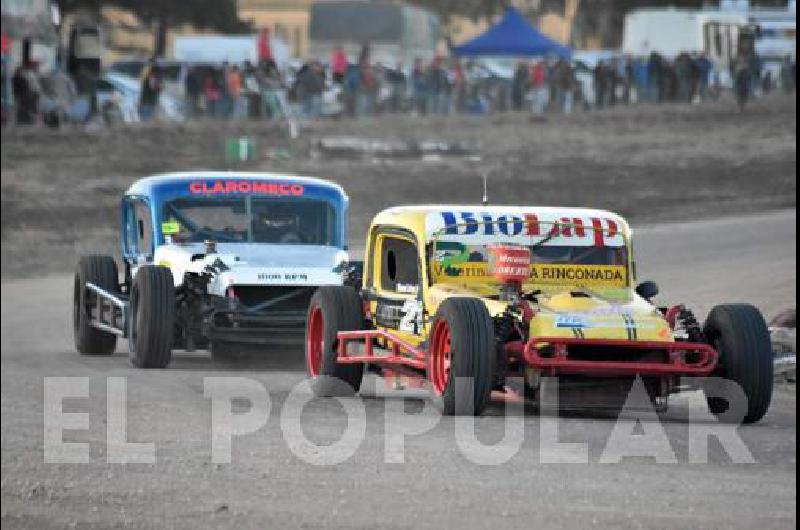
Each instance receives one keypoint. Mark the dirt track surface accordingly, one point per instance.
(61, 189)
(267, 486)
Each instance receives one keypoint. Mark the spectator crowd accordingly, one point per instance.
(359, 86)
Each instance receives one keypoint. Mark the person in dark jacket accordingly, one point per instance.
(27, 92)
(151, 90)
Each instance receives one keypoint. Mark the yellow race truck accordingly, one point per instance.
(481, 293)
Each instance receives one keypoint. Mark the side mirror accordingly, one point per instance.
(647, 289)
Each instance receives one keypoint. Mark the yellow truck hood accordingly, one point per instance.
(563, 312)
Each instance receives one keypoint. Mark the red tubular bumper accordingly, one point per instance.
(401, 353)
(701, 361)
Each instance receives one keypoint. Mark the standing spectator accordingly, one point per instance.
(309, 85)
(151, 91)
(364, 55)
(27, 91)
(694, 79)
(766, 83)
(338, 65)
(370, 86)
(316, 88)
(565, 84)
(788, 74)
(519, 85)
(613, 81)
(655, 75)
(351, 89)
(265, 57)
(7, 96)
(600, 84)
(225, 102)
(194, 90)
(458, 83)
(670, 81)
(212, 95)
(683, 72)
(271, 85)
(704, 67)
(539, 88)
(436, 82)
(252, 90)
(233, 82)
(628, 80)
(397, 85)
(742, 77)
(419, 87)
(641, 80)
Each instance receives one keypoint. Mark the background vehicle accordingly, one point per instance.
(394, 32)
(211, 260)
(454, 292)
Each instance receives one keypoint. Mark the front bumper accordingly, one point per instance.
(552, 355)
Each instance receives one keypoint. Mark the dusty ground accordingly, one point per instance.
(266, 485)
(662, 167)
(60, 190)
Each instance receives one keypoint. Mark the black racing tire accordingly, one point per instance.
(470, 346)
(101, 271)
(332, 309)
(740, 335)
(151, 319)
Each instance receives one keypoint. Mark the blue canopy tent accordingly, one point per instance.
(512, 36)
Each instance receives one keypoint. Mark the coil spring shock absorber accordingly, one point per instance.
(503, 329)
(689, 324)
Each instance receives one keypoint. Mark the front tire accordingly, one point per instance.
(462, 347)
(151, 323)
(740, 335)
(331, 310)
(102, 272)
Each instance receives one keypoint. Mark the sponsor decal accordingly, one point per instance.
(571, 321)
(282, 276)
(226, 187)
(563, 231)
(587, 275)
(581, 321)
(170, 227)
(510, 263)
(603, 276)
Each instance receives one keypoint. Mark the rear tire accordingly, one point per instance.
(151, 322)
(462, 345)
(331, 310)
(102, 272)
(740, 335)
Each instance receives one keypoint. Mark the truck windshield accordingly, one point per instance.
(251, 220)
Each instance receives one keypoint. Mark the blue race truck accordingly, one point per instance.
(212, 260)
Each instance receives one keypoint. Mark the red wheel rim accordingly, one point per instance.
(316, 327)
(440, 357)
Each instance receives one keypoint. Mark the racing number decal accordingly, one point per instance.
(402, 315)
(411, 320)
